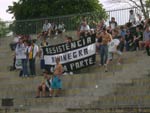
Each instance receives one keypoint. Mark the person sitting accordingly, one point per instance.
(84, 29)
(45, 86)
(140, 22)
(132, 18)
(61, 28)
(138, 39)
(112, 24)
(46, 29)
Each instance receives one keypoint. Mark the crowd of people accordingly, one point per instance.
(114, 39)
(51, 29)
(111, 40)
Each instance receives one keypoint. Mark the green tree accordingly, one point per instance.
(4, 29)
(31, 9)
(148, 7)
(29, 14)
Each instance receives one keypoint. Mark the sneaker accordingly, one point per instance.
(105, 65)
(37, 97)
(50, 96)
(100, 64)
(106, 70)
(65, 73)
(71, 73)
(118, 63)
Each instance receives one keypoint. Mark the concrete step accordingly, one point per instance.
(116, 101)
(13, 110)
(61, 102)
(127, 109)
(133, 90)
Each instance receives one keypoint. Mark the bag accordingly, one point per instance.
(18, 64)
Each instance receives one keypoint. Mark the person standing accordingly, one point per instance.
(33, 51)
(112, 24)
(42, 61)
(21, 54)
(56, 80)
(25, 60)
(146, 39)
(112, 50)
(132, 18)
(106, 38)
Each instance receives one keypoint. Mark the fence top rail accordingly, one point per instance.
(39, 19)
(121, 9)
(71, 15)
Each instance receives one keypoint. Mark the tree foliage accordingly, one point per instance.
(31, 9)
(4, 29)
(30, 14)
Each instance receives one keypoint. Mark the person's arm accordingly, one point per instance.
(16, 49)
(37, 51)
(43, 29)
(110, 37)
(116, 24)
(144, 36)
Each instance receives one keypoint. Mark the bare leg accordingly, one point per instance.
(43, 90)
(38, 91)
(52, 92)
(58, 92)
(140, 45)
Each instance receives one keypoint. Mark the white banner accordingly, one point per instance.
(71, 55)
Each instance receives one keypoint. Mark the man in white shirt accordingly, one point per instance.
(132, 18)
(113, 24)
(112, 49)
(21, 54)
(61, 28)
(46, 29)
(84, 29)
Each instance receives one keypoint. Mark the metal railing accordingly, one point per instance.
(34, 26)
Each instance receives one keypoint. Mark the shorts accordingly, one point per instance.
(147, 43)
(110, 54)
(56, 83)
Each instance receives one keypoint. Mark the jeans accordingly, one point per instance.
(127, 46)
(32, 66)
(103, 54)
(121, 46)
(24, 67)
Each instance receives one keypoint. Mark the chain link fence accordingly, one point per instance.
(71, 22)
